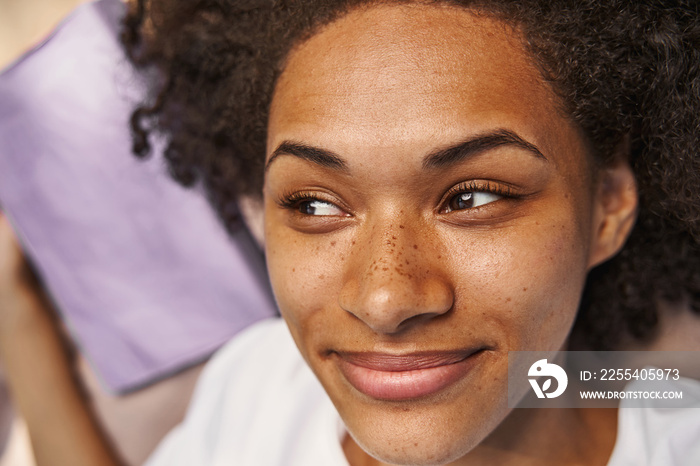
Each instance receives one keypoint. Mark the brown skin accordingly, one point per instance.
(387, 265)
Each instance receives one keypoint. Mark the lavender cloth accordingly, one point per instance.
(142, 272)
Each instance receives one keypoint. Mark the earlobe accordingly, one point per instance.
(615, 210)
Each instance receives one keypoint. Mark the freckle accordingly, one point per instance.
(401, 226)
(398, 270)
(353, 241)
(407, 262)
(342, 258)
(525, 289)
(332, 243)
(415, 246)
(294, 270)
(385, 268)
(439, 256)
(321, 277)
(508, 300)
(415, 444)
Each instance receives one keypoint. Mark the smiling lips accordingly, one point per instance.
(392, 377)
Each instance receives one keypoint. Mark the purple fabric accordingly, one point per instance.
(143, 273)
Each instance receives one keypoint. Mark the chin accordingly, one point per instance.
(423, 438)
(407, 453)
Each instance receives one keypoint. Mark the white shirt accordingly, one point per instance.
(652, 436)
(259, 404)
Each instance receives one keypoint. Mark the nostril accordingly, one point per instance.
(419, 319)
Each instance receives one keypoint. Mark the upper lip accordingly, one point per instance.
(387, 362)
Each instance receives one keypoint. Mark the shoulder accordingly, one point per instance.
(254, 362)
(257, 358)
(256, 398)
(650, 435)
(268, 340)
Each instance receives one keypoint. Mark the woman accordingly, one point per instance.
(443, 183)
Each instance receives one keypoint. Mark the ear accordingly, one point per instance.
(615, 203)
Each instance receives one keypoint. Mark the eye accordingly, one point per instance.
(310, 204)
(469, 200)
(473, 194)
(319, 208)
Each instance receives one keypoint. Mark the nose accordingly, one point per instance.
(394, 281)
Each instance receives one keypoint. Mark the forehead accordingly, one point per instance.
(419, 74)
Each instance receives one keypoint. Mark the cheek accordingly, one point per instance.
(304, 272)
(522, 285)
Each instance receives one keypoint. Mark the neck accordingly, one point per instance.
(557, 436)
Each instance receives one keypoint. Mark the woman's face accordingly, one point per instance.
(428, 209)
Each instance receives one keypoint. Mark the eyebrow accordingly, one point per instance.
(477, 144)
(319, 156)
(437, 159)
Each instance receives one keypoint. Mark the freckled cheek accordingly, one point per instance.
(305, 273)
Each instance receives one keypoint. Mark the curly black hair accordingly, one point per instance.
(626, 71)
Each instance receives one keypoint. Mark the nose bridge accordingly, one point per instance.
(394, 279)
(395, 253)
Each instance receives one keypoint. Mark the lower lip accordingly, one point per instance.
(405, 385)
